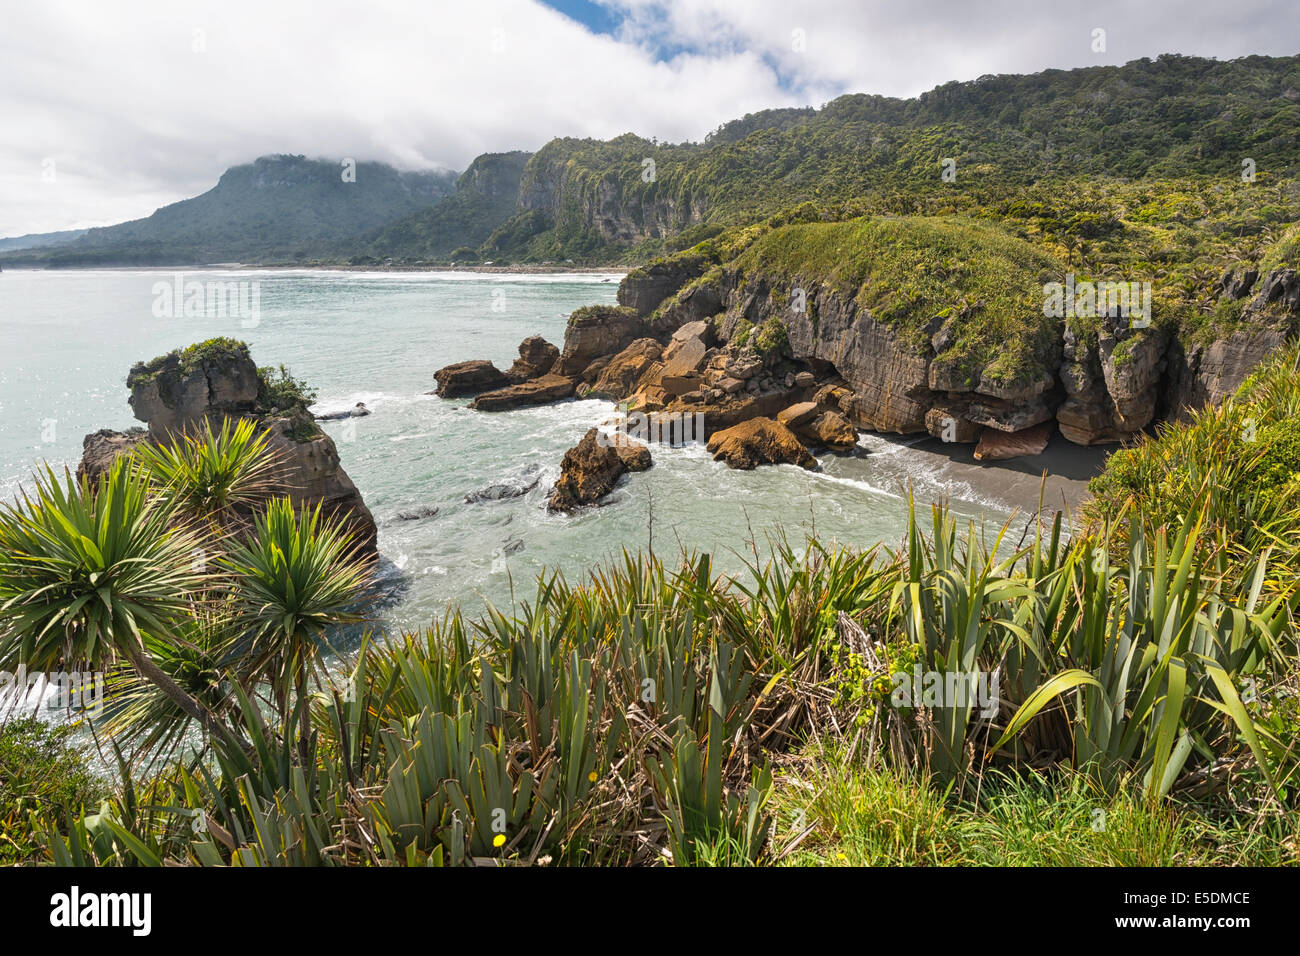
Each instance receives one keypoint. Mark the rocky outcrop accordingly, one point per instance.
(728, 345)
(1205, 372)
(538, 391)
(644, 288)
(462, 379)
(759, 441)
(620, 375)
(592, 468)
(536, 358)
(100, 449)
(182, 389)
(595, 332)
(310, 473)
(1112, 385)
(167, 394)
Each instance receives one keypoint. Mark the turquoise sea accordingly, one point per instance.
(69, 339)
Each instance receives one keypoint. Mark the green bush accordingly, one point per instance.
(41, 770)
(772, 336)
(279, 391)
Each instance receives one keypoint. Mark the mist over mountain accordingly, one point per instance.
(629, 197)
(277, 208)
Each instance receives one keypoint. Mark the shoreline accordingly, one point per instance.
(613, 269)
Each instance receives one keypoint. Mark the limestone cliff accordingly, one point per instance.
(179, 391)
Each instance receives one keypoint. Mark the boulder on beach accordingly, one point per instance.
(995, 445)
(759, 441)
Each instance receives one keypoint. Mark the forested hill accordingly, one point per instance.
(486, 196)
(277, 208)
(1175, 116)
(970, 146)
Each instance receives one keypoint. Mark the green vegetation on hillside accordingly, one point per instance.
(1174, 117)
(485, 197)
(909, 272)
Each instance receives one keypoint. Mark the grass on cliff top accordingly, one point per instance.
(912, 271)
(219, 349)
(278, 390)
(1285, 254)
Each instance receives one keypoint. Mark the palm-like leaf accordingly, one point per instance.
(86, 570)
(211, 476)
(295, 577)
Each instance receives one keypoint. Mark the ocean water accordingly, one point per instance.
(69, 338)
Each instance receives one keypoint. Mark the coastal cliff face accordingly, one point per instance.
(608, 204)
(182, 390)
(1101, 380)
(806, 331)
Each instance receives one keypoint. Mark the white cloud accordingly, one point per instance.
(133, 117)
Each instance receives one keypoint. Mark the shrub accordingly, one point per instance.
(279, 391)
(40, 770)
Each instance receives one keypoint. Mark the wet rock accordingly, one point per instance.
(759, 441)
(418, 513)
(591, 469)
(358, 410)
(538, 391)
(468, 378)
(502, 491)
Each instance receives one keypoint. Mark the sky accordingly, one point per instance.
(111, 109)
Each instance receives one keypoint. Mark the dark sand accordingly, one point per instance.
(1016, 482)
